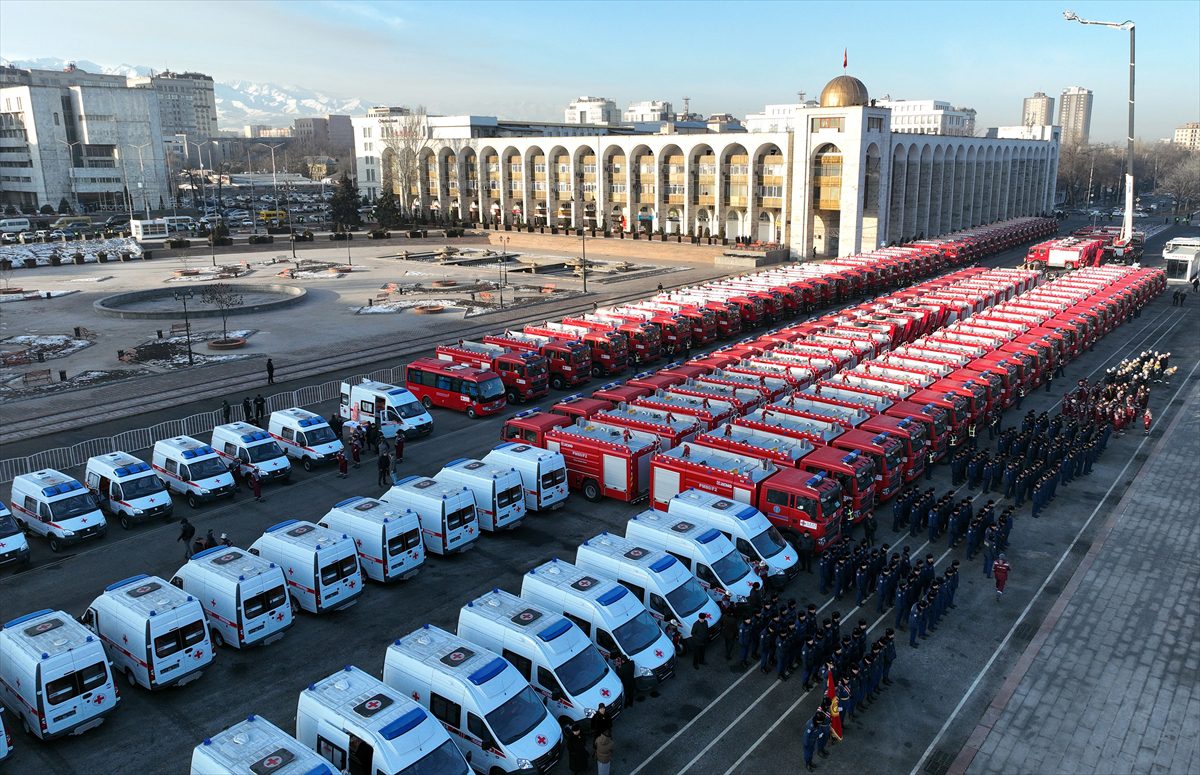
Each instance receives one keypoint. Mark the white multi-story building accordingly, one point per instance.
(647, 111)
(1037, 110)
(81, 136)
(592, 110)
(1050, 132)
(929, 117)
(1075, 115)
(838, 180)
(1188, 135)
(187, 103)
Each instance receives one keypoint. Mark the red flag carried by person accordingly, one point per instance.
(835, 715)
(845, 58)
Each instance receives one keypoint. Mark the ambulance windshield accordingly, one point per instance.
(406, 411)
(517, 717)
(322, 434)
(141, 487)
(582, 671)
(731, 568)
(443, 760)
(205, 469)
(638, 633)
(688, 598)
(75, 506)
(260, 453)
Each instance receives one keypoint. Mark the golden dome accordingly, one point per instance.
(845, 91)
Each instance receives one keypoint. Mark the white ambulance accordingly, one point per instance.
(245, 597)
(388, 539)
(152, 632)
(254, 449)
(750, 531)
(446, 511)
(544, 473)
(667, 589)
(321, 565)
(127, 488)
(54, 675)
(49, 503)
(608, 613)
(555, 657)
(256, 746)
(499, 492)
(360, 724)
(703, 550)
(304, 436)
(14, 549)
(192, 469)
(496, 718)
(393, 409)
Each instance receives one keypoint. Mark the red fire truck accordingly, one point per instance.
(524, 374)
(478, 392)
(675, 330)
(795, 502)
(782, 450)
(579, 405)
(1066, 253)
(642, 340)
(608, 353)
(620, 392)
(569, 361)
(708, 411)
(911, 433)
(703, 322)
(531, 426)
(885, 451)
(605, 460)
(671, 429)
(854, 471)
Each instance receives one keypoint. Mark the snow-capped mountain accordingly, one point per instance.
(238, 102)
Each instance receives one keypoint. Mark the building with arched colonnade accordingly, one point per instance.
(838, 181)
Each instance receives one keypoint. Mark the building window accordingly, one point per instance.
(675, 189)
(368, 147)
(539, 168)
(617, 188)
(771, 191)
(874, 124)
(739, 169)
(836, 123)
(562, 188)
(539, 185)
(56, 119)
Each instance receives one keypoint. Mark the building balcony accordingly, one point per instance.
(618, 198)
(769, 202)
(737, 201)
(829, 204)
(676, 199)
(706, 200)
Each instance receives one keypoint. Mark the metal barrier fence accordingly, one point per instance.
(142, 439)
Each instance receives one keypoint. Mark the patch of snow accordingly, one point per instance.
(35, 295)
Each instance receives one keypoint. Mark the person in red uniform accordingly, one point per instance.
(1000, 569)
(1146, 418)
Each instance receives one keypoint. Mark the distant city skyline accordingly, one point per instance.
(529, 60)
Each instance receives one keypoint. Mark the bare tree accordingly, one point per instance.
(405, 138)
(224, 297)
(1183, 182)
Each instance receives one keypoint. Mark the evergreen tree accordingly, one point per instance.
(343, 207)
(387, 210)
(64, 207)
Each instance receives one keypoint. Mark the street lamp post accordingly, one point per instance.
(183, 296)
(1127, 222)
(71, 170)
(583, 261)
(125, 177)
(142, 173)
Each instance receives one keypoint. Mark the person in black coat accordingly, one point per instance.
(625, 672)
(248, 409)
(577, 752)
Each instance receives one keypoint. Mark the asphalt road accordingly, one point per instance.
(707, 721)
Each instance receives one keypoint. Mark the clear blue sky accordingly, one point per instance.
(528, 59)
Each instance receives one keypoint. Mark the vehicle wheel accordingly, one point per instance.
(25, 726)
(125, 523)
(55, 546)
(307, 464)
(217, 640)
(595, 371)
(512, 396)
(591, 490)
(557, 383)
(288, 479)
(191, 501)
(471, 412)
(133, 684)
(428, 404)
(295, 605)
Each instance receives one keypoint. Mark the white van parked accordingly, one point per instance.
(393, 409)
(127, 488)
(14, 549)
(752, 533)
(321, 564)
(15, 225)
(544, 473)
(667, 589)
(388, 540)
(192, 469)
(496, 718)
(446, 511)
(54, 675)
(49, 503)
(499, 492)
(703, 550)
(256, 746)
(245, 597)
(360, 724)
(152, 632)
(608, 613)
(254, 449)
(304, 436)
(552, 653)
